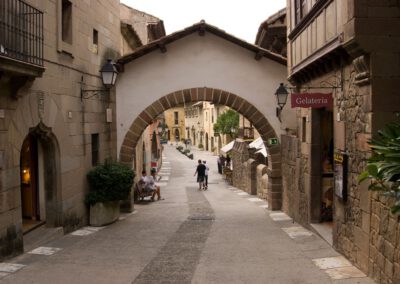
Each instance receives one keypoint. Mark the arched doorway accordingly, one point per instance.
(206, 142)
(177, 136)
(40, 184)
(212, 144)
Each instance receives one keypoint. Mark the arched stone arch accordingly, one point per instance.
(216, 96)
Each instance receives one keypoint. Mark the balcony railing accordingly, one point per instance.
(246, 133)
(21, 32)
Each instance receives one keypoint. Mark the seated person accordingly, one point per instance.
(150, 185)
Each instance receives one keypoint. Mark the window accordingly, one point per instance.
(95, 149)
(176, 118)
(66, 21)
(300, 8)
(95, 45)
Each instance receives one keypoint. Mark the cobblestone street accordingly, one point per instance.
(221, 235)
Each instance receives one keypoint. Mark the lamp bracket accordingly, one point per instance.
(87, 94)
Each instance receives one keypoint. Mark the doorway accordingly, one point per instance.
(32, 189)
(39, 180)
(177, 136)
(322, 175)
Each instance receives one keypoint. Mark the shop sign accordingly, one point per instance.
(273, 141)
(341, 175)
(312, 100)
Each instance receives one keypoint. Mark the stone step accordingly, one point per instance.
(40, 236)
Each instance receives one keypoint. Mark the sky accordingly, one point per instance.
(240, 18)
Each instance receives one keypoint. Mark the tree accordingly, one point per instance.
(227, 123)
(383, 168)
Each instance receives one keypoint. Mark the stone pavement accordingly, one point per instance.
(222, 235)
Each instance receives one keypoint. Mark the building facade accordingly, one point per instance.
(348, 51)
(57, 118)
(175, 121)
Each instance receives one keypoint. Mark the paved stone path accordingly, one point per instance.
(221, 235)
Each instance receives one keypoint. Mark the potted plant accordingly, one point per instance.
(109, 183)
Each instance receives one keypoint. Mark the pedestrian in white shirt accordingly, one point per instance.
(206, 175)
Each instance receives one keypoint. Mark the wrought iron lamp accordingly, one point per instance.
(281, 97)
(108, 76)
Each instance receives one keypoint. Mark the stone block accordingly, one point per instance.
(388, 268)
(388, 251)
(362, 142)
(208, 96)
(392, 234)
(396, 273)
(384, 63)
(361, 239)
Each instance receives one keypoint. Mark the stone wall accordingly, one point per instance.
(51, 109)
(249, 174)
(262, 181)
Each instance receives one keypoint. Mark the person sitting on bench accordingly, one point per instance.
(150, 185)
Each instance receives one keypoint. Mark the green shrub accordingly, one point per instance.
(383, 168)
(110, 181)
(200, 146)
(186, 151)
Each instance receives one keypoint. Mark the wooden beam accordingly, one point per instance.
(162, 47)
(259, 55)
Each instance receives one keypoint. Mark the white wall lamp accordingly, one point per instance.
(109, 74)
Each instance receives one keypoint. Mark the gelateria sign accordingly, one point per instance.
(312, 100)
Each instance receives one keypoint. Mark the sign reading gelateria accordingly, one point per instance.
(312, 100)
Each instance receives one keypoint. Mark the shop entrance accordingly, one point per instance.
(322, 175)
(32, 190)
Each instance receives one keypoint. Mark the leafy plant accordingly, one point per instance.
(201, 146)
(383, 168)
(227, 123)
(110, 181)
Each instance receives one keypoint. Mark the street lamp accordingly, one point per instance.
(109, 74)
(281, 97)
(108, 77)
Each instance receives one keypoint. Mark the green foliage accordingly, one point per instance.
(201, 146)
(383, 168)
(110, 181)
(186, 151)
(227, 122)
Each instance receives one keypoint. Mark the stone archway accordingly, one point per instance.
(216, 96)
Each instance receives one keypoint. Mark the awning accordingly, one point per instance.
(258, 143)
(262, 151)
(228, 147)
(198, 103)
(260, 146)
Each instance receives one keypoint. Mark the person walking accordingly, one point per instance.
(200, 171)
(228, 161)
(219, 162)
(206, 176)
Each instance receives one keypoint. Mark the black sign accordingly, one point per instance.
(341, 175)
